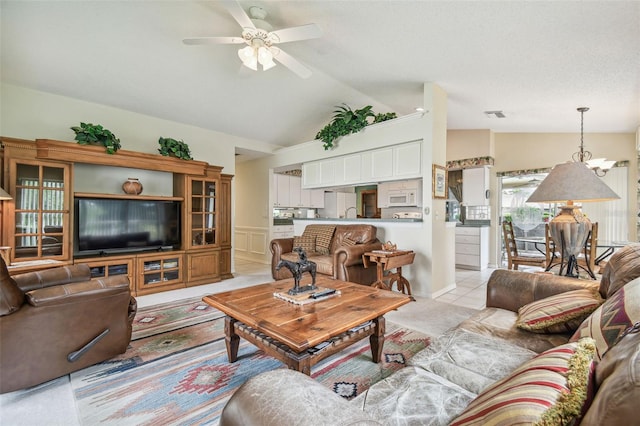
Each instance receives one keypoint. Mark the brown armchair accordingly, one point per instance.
(59, 320)
(343, 258)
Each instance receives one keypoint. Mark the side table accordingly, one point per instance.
(387, 261)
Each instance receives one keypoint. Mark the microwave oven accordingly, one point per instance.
(402, 198)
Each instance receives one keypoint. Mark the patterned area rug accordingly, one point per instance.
(182, 376)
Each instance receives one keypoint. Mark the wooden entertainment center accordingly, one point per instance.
(38, 224)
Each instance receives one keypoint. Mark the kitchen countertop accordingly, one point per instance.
(357, 219)
(473, 225)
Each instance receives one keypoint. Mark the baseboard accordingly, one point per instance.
(440, 292)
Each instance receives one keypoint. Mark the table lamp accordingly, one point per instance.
(571, 182)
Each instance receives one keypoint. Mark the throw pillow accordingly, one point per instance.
(348, 242)
(323, 234)
(11, 297)
(551, 389)
(560, 313)
(616, 314)
(306, 242)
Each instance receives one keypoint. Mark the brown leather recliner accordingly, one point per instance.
(57, 321)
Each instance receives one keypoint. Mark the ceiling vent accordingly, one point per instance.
(497, 114)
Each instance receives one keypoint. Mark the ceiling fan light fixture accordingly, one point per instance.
(264, 55)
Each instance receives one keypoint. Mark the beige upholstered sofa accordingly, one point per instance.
(487, 370)
(336, 249)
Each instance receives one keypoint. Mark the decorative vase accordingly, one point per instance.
(132, 186)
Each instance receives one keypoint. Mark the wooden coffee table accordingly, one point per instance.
(302, 335)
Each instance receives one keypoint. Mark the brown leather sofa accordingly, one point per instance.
(59, 320)
(451, 374)
(346, 244)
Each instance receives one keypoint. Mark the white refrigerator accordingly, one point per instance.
(339, 205)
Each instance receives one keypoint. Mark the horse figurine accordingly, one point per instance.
(297, 269)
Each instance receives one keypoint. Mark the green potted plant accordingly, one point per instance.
(174, 148)
(346, 121)
(95, 134)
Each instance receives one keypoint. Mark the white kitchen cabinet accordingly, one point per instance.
(316, 198)
(352, 165)
(282, 231)
(339, 205)
(407, 160)
(281, 190)
(472, 247)
(382, 163)
(295, 189)
(289, 193)
(377, 165)
(475, 186)
(311, 174)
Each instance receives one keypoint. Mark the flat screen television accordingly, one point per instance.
(110, 225)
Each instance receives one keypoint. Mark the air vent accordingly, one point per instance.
(498, 114)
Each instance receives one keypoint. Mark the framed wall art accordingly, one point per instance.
(440, 188)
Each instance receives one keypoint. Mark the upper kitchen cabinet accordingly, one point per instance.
(378, 165)
(475, 186)
(289, 193)
(282, 196)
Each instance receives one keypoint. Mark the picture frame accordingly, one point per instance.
(440, 185)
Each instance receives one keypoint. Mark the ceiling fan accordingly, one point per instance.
(261, 41)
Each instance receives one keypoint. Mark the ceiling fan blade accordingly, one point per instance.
(303, 32)
(238, 13)
(293, 64)
(213, 40)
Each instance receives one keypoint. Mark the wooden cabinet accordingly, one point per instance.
(158, 271)
(201, 212)
(224, 215)
(472, 247)
(201, 266)
(475, 186)
(38, 224)
(110, 266)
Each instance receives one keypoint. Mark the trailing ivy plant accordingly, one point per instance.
(379, 118)
(347, 121)
(94, 134)
(175, 148)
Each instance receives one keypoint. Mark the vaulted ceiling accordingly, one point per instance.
(536, 61)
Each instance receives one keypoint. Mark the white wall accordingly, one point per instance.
(31, 114)
(427, 273)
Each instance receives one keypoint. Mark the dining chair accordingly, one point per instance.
(514, 259)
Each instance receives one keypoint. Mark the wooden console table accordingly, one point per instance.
(386, 261)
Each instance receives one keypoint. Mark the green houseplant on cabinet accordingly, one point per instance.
(347, 121)
(95, 134)
(174, 148)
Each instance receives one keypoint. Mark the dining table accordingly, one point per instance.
(609, 247)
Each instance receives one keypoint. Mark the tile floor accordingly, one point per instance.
(470, 291)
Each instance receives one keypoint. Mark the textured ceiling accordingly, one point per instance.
(536, 61)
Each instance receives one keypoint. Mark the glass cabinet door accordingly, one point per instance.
(203, 212)
(41, 211)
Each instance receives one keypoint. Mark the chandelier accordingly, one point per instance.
(259, 49)
(599, 165)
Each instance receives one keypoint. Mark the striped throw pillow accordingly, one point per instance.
(551, 389)
(612, 318)
(560, 313)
